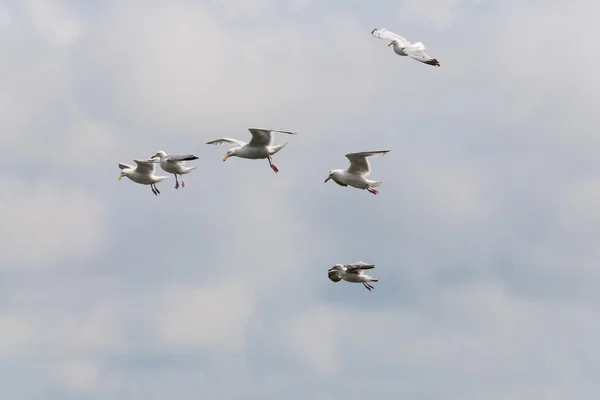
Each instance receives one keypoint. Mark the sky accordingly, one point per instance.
(484, 234)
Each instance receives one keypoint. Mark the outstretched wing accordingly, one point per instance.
(383, 33)
(358, 266)
(181, 158)
(359, 165)
(419, 55)
(263, 137)
(145, 166)
(222, 141)
(125, 166)
(334, 276)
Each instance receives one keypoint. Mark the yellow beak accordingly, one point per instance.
(391, 43)
(328, 178)
(120, 176)
(225, 158)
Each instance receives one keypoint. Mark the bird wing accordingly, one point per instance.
(359, 165)
(179, 158)
(383, 33)
(222, 141)
(145, 166)
(419, 55)
(357, 267)
(125, 166)
(263, 137)
(334, 276)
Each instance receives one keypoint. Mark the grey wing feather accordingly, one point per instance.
(359, 265)
(264, 137)
(145, 166)
(334, 276)
(125, 166)
(420, 55)
(222, 141)
(182, 157)
(359, 165)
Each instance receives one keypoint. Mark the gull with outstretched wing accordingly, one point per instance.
(175, 164)
(353, 272)
(356, 174)
(260, 146)
(143, 173)
(403, 47)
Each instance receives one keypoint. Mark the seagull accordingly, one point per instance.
(259, 147)
(353, 272)
(355, 175)
(143, 174)
(403, 47)
(175, 165)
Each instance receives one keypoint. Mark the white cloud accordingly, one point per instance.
(55, 21)
(5, 18)
(484, 182)
(16, 334)
(434, 14)
(212, 316)
(45, 225)
(312, 338)
(79, 376)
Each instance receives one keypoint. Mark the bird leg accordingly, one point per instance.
(367, 286)
(152, 187)
(374, 191)
(273, 167)
(182, 182)
(176, 182)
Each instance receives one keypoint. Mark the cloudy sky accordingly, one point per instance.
(484, 234)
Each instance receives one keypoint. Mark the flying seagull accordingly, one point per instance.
(353, 272)
(403, 47)
(355, 175)
(175, 165)
(260, 146)
(142, 174)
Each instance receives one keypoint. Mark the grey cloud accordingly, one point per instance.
(483, 235)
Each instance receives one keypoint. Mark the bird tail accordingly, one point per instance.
(374, 280)
(193, 168)
(375, 183)
(278, 147)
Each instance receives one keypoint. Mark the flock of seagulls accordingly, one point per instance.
(261, 147)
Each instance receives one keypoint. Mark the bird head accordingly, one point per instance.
(334, 273)
(159, 154)
(329, 176)
(336, 267)
(123, 173)
(229, 153)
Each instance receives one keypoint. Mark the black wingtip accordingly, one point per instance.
(433, 62)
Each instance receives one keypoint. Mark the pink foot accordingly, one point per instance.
(182, 183)
(274, 168)
(374, 191)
